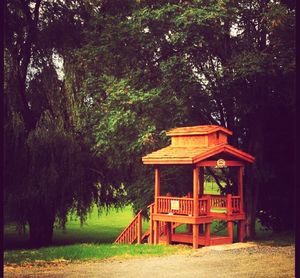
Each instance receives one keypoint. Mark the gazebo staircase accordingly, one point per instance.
(133, 232)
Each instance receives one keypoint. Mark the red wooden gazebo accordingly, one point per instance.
(200, 147)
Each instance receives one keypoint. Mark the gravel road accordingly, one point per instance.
(234, 260)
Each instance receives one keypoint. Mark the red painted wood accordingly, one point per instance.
(229, 204)
(196, 190)
(185, 205)
(195, 236)
(156, 232)
(230, 230)
(139, 229)
(207, 234)
(168, 232)
(156, 186)
(132, 232)
(151, 225)
(201, 181)
(240, 188)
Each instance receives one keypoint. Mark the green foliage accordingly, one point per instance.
(169, 64)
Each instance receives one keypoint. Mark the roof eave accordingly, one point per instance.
(227, 149)
(166, 161)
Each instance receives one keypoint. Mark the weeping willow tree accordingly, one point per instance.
(51, 169)
(50, 178)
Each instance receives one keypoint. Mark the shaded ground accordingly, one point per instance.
(236, 260)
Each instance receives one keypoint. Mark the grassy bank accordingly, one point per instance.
(97, 229)
(85, 251)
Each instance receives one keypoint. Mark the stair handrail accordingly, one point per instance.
(137, 219)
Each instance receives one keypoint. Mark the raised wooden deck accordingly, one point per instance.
(167, 213)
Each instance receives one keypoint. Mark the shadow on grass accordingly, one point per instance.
(22, 242)
(276, 239)
(15, 241)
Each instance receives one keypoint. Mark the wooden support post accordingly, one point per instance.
(165, 228)
(172, 228)
(208, 205)
(196, 191)
(201, 229)
(150, 241)
(230, 230)
(156, 232)
(229, 204)
(156, 188)
(201, 181)
(195, 236)
(241, 230)
(168, 232)
(240, 188)
(201, 192)
(139, 229)
(207, 234)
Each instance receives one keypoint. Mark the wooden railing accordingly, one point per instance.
(228, 202)
(183, 206)
(204, 206)
(217, 201)
(149, 232)
(132, 232)
(179, 206)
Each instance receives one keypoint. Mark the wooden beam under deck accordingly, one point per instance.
(214, 240)
(197, 220)
(181, 218)
(224, 216)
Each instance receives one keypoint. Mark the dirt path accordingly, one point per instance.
(236, 260)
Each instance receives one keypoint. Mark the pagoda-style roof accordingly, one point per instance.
(191, 145)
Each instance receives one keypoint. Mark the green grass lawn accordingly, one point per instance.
(91, 241)
(90, 251)
(97, 229)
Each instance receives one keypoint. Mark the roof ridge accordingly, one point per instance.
(197, 130)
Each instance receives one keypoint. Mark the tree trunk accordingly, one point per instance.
(41, 225)
(253, 179)
(251, 198)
